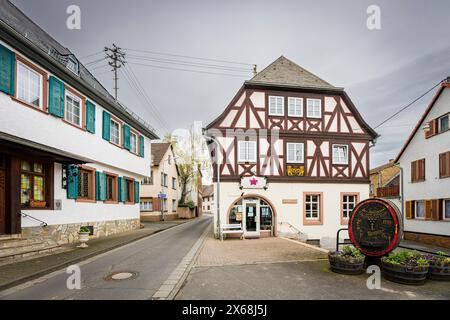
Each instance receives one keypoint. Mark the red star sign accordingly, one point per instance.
(253, 182)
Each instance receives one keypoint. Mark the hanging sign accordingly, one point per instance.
(253, 182)
(374, 227)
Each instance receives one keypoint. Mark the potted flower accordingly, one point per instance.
(83, 236)
(406, 267)
(439, 266)
(348, 261)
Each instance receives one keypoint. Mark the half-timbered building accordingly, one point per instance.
(70, 154)
(293, 155)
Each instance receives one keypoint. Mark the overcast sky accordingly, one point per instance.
(381, 70)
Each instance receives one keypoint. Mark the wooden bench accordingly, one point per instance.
(231, 229)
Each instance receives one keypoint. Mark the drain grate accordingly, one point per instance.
(121, 275)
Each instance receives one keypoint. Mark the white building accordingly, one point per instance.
(70, 155)
(425, 163)
(294, 156)
(208, 198)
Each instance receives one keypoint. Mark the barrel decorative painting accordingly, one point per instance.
(375, 227)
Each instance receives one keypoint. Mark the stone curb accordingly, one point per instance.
(170, 288)
(65, 264)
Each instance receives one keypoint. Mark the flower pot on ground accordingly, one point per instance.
(439, 267)
(348, 261)
(83, 236)
(405, 267)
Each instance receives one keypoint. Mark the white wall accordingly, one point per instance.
(76, 212)
(433, 187)
(293, 213)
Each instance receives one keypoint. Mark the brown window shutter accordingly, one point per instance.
(413, 171)
(156, 204)
(427, 209)
(409, 211)
(436, 212)
(421, 170)
(444, 164)
(433, 128)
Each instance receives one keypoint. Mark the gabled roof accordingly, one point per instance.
(208, 190)
(284, 72)
(422, 119)
(158, 152)
(43, 48)
(391, 163)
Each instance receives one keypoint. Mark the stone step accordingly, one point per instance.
(27, 250)
(16, 243)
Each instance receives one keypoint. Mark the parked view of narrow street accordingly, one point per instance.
(224, 159)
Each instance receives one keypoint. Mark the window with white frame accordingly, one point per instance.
(340, 154)
(247, 151)
(115, 132)
(133, 142)
(146, 205)
(276, 106)
(294, 152)
(348, 203)
(443, 123)
(446, 209)
(295, 107)
(312, 207)
(419, 211)
(313, 108)
(29, 88)
(73, 109)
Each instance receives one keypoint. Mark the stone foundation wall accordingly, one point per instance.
(440, 241)
(185, 213)
(155, 217)
(68, 233)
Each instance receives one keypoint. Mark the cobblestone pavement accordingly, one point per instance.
(251, 251)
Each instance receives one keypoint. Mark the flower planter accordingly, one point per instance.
(439, 272)
(83, 237)
(345, 264)
(404, 274)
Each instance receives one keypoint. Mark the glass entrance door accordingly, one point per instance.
(251, 219)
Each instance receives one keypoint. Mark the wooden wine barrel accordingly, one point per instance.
(375, 227)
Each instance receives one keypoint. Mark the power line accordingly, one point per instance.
(411, 103)
(117, 60)
(91, 63)
(188, 70)
(90, 55)
(190, 57)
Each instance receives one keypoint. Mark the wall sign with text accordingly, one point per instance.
(253, 182)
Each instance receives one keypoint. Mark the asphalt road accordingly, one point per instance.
(153, 258)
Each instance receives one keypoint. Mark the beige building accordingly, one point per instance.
(385, 180)
(163, 180)
(208, 198)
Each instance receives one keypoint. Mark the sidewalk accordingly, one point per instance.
(19, 272)
(427, 248)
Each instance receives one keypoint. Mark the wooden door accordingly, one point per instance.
(2, 201)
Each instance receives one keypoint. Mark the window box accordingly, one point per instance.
(38, 204)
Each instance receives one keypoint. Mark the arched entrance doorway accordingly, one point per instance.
(256, 215)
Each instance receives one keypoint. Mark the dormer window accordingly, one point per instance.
(73, 65)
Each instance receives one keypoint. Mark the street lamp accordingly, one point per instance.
(218, 179)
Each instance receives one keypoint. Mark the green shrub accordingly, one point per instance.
(85, 229)
(191, 205)
(351, 251)
(406, 257)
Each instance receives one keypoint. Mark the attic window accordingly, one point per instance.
(72, 65)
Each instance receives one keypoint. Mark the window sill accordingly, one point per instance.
(129, 203)
(417, 181)
(312, 222)
(86, 200)
(111, 202)
(74, 125)
(31, 106)
(36, 208)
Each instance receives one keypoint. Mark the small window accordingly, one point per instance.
(86, 184)
(294, 152)
(340, 154)
(174, 205)
(247, 151)
(419, 210)
(32, 184)
(443, 123)
(129, 190)
(312, 207)
(73, 109)
(348, 203)
(147, 180)
(73, 65)
(111, 188)
(313, 108)
(115, 132)
(133, 142)
(146, 205)
(164, 178)
(29, 86)
(295, 107)
(446, 209)
(276, 106)
(174, 183)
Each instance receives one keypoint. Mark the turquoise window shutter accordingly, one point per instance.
(141, 146)
(102, 193)
(7, 70)
(97, 185)
(106, 126)
(124, 190)
(90, 117)
(56, 97)
(119, 189)
(72, 181)
(136, 192)
(126, 136)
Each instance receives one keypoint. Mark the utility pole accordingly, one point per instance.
(116, 61)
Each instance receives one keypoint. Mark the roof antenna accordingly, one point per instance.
(255, 72)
